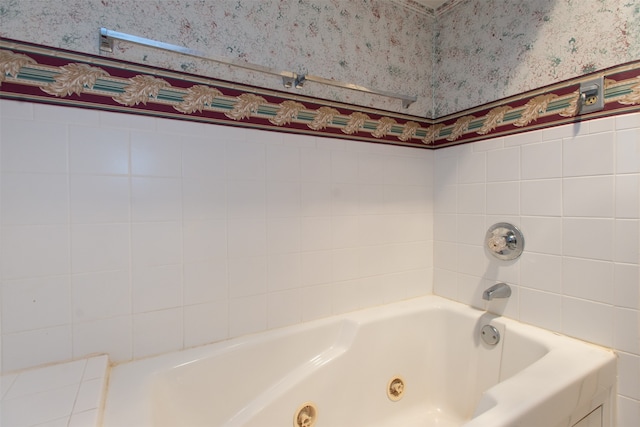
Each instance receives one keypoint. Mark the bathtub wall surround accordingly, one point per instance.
(41, 74)
(574, 192)
(132, 235)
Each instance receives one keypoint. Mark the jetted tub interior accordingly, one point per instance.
(414, 363)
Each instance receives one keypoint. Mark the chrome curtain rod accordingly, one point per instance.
(289, 78)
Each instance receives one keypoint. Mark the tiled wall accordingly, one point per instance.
(575, 193)
(134, 235)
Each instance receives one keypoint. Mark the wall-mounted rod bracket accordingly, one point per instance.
(289, 78)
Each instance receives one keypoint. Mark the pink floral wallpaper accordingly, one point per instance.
(380, 44)
(466, 53)
(486, 50)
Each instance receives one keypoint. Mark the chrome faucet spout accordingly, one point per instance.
(499, 290)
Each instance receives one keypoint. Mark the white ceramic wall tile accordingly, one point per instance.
(156, 243)
(344, 167)
(36, 347)
(588, 196)
(51, 405)
(315, 199)
(157, 332)
(471, 198)
(205, 323)
(541, 197)
(345, 231)
(541, 272)
(372, 168)
(445, 167)
(372, 199)
(157, 229)
(503, 198)
(628, 151)
(156, 199)
(543, 234)
(627, 291)
(113, 336)
(30, 148)
(283, 272)
(203, 198)
(445, 255)
(374, 230)
(283, 235)
(588, 155)
(247, 276)
(283, 163)
(315, 268)
(96, 199)
(245, 160)
(36, 303)
(155, 154)
(471, 168)
(541, 309)
(98, 150)
(283, 199)
(503, 165)
(344, 199)
(112, 243)
(203, 157)
(629, 383)
(345, 264)
(469, 229)
(543, 160)
(316, 301)
(408, 171)
(156, 288)
(46, 378)
(127, 121)
(246, 199)
(16, 110)
(627, 195)
(408, 199)
(445, 199)
(204, 239)
(247, 315)
(596, 243)
(205, 281)
(246, 237)
(315, 233)
(564, 131)
(625, 336)
(100, 295)
(606, 124)
(627, 121)
(31, 251)
(523, 138)
(315, 165)
(626, 245)
(628, 411)
(591, 321)
(284, 308)
(34, 199)
(586, 278)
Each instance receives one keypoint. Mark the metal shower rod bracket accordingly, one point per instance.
(289, 78)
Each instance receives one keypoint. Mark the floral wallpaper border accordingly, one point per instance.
(43, 74)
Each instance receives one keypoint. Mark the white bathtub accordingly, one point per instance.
(343, 365)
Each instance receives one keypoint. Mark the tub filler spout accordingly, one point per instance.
(499, 290)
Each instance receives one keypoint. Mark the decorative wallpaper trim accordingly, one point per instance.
(54, 76)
